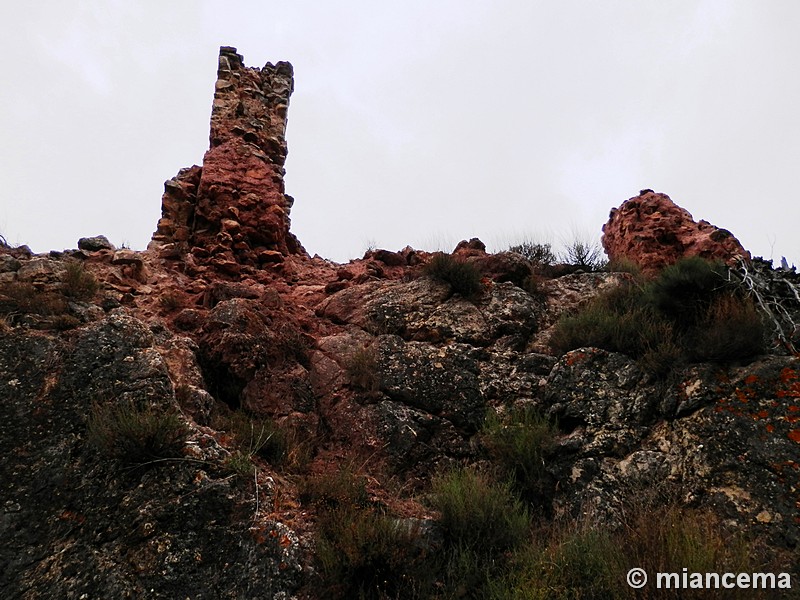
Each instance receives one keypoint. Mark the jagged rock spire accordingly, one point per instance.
(233, 210)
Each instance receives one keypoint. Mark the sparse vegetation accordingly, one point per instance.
(491, 548)
(255, 436)
(78, 283)
(732, 328)
(366, 554)
(332, 490)
(619, 320)
(136, 435)
(478, 514)
(362, 369)
(584, 254)
(518, 441)
(463, 277)
(581, 561)
(361, 551)
(624, 265)
(240, 463)
(65, 322)
(252, 436)
(538, 254)
(19, 297)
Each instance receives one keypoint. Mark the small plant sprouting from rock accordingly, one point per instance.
(478, 513)
(540, 255)
(363, 370)
(463, 277)
(254, 436)
(136, 435)
(18, 297)
(362, 551)
(585, 255)
(240, 463)
(78, 283)
(518, 441)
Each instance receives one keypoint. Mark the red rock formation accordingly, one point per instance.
(233, 211)
(653, 232)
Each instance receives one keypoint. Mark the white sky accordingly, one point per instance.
(414, 122)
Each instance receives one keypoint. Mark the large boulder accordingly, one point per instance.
(653, 232)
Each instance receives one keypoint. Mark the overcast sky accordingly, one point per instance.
(417, 123)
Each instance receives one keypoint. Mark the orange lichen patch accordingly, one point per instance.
(741, 395)
(794, 435)
(750, 379)
(792, 419)
(261, 535)
(576, 357)
(770, 427)
(794, 408)
(792, 392)
(788, 375)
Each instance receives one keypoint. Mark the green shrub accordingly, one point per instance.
(240, 463)
(78, 283)
(683, 291)
(732, 328)
(538, 254)
(664, 357)
(586, 255)
(256, 436)
(342, 488)
(363, 371)
(463, 277)
(478, 514)
(136, 435)
(364, 554)
(689, 312)
(518, 442)
(18, 297)
(618, 320)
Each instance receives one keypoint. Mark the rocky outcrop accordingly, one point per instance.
(372, 365)
(77, 524)
(722, 437)
(234, 210)
(652, 231)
